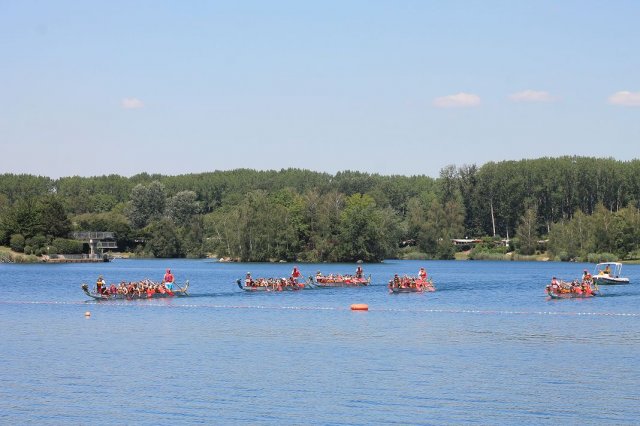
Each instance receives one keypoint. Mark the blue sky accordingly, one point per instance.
(392, 87)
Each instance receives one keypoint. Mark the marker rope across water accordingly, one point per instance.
(322, 308)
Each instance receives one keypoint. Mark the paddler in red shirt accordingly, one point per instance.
(295, 274)
(168, 280)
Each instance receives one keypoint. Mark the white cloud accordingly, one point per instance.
(132, 103)
(531, 96)
(625, 98)
(460, 100)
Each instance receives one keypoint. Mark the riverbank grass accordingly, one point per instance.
(9, 256)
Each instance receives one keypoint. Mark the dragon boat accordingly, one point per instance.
(411, 285)
(324, 281)
(177, 292)
(571, 290)
(273, 284)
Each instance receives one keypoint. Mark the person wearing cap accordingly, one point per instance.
(168, 280)
(248, 281)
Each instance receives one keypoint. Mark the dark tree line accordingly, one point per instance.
(302, 215)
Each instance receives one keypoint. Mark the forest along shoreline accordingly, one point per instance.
(566, 208)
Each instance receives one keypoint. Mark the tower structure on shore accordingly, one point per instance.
(97, 241)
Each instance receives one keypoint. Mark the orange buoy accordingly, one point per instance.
(87, 314)
(359, 307)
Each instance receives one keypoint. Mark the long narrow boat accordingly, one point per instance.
(275, 285)
(324, 281)
(565, 290)
(411, 286)
(179, 292)
(555, 295)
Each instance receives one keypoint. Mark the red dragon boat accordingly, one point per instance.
(338, 280)
(273, 284)
(151, 291)
(559, 289)
(410, 285)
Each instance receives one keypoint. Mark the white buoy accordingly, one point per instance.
(87, 314)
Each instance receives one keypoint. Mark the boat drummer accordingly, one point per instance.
(422, 273)
(100, 284)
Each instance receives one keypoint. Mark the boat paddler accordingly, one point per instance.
(168, 279)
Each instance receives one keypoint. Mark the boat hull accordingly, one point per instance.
(555, 295)
(323, 282)
(609, 273)
(397, 290)
(264, 288)
(180, 292)
(600, 280)
(416, 286)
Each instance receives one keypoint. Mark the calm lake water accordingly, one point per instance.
(486, 348)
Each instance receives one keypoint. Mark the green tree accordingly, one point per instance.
(527, 232)
(222, 232)
(192, 238)
(391, 232)
(21, 187)
(628, 235)
(607, 227)
(22, 218)
(360, 230)
(17, 242)
(147, 203)
(182, 207)
(4, 218)
(162, 239)
(441, 223)
(51, 217)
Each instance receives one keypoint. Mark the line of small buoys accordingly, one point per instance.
(321, 308)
